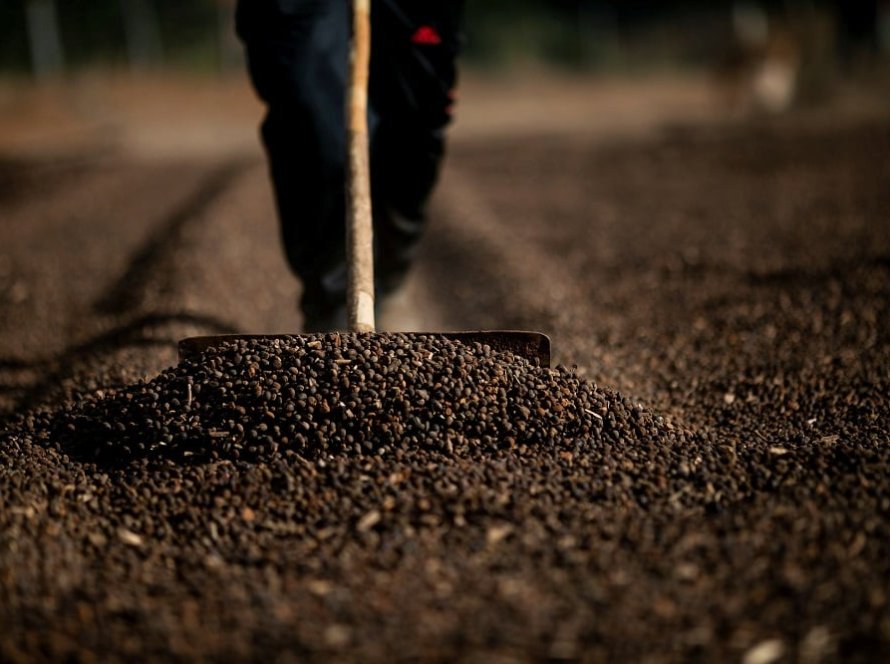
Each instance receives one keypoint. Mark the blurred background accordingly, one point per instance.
(105, 64)
(43, 38)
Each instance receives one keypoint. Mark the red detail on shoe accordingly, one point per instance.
(426, 35)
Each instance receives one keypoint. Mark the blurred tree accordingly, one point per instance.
(144, 47)
(47, 55)
(229, 48)
(859, 23)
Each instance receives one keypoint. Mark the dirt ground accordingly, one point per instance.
(731, 280)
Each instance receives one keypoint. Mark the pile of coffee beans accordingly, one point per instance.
(344, 394)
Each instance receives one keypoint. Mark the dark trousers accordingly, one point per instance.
(298, 53)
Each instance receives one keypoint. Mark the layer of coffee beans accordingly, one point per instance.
(324, 480)
(745, 295)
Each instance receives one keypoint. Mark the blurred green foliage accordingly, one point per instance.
(608, 34)
(13, 36)
(93, 33)
(575, 33)
(612, 34)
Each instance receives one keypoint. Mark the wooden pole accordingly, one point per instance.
(359, 228)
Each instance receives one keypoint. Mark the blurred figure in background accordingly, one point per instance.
(785, 51)
(760, 70)
(298, 52)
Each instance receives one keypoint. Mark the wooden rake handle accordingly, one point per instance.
(359, 228)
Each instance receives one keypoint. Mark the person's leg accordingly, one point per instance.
(297, 53)
(413, 74)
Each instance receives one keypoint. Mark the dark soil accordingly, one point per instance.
(708, 479)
